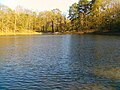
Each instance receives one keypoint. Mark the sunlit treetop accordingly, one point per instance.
(89, 0)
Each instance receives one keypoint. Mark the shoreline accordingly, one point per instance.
(14, 34)
(61, 33)
(106, 33)
(94, 32)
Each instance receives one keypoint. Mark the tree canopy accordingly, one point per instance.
(95, 14)
(99, 15)
(21, 20)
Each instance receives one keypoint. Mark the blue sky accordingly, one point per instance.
(40, 5)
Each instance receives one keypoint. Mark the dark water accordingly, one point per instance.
(65, 62)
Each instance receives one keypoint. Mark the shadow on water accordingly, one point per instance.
(60, 62)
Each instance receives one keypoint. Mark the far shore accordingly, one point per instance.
(20, 33)
(91, 32)
(116, 33)
(95, 32)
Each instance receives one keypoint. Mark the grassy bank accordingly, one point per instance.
(18, 33)
(73, 32)
(93, 32)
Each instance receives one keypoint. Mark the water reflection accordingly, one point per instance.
(64, 62)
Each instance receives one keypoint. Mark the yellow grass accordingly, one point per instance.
(19, 33)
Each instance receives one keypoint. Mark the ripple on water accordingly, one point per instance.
(65, 62)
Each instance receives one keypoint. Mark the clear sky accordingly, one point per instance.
(40, 5)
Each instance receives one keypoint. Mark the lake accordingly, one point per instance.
(60, 62)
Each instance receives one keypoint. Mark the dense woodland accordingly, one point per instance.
(99, 15)
(22, 20)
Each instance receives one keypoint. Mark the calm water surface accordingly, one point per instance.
(58, 62)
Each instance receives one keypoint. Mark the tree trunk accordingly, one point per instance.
(2, 25)
(52, 27)
(15, 24)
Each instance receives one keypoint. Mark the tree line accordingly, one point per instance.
(99, 15)
(24, 20)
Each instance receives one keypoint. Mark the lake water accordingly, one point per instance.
(60, 62)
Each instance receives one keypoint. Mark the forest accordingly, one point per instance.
(84, 16)
(98, 15)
